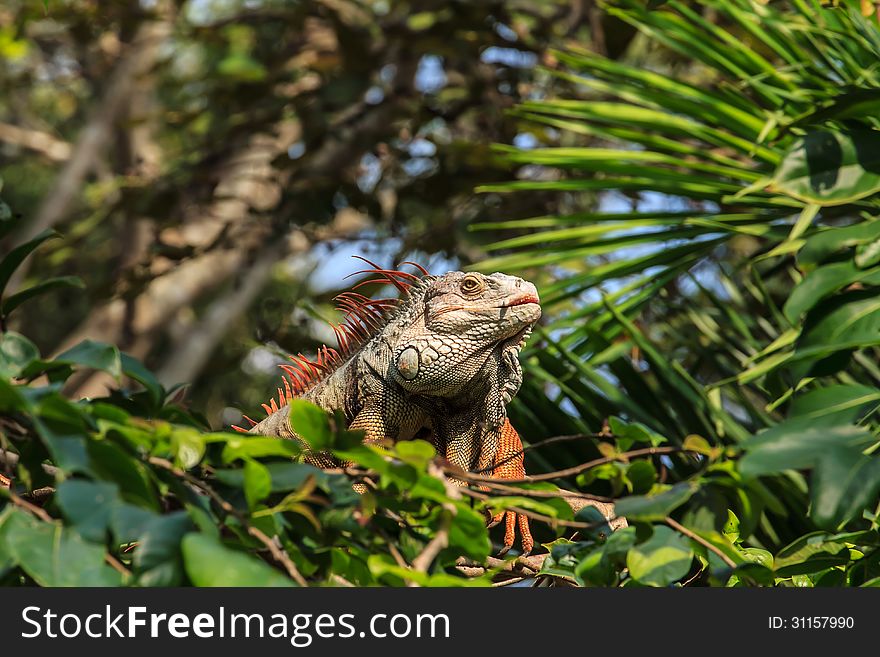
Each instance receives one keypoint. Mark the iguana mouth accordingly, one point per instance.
(521, 301)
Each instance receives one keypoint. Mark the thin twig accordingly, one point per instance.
(395, 553)
(568, 472)
(30, 508)
(508, 582)
(280, 555)
(525, 492)
(116, 565)
(441, 539)
(699, 539)
(553, 522)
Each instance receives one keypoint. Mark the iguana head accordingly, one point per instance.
(481, 308)
(461, 320)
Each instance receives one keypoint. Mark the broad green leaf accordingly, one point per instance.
(16, 353)
(112, 463)
(256, 447)
(468, 534)
(655, 507)
(95, 355)
(797, 443)
(810, 553)
(844, 484)
(188, 446)
(157, 557)
(844, 322)
(7, 560)
(835, 404)
(822, 282)
(257, 482)
(831, 167)
(88, 506)
(416, 452)
(596, 569)
(310, 423)
(828, 241)
(56, 556)
(640, 477)
(210, 563)
(661, 560)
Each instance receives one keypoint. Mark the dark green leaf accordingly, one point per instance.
(12, 302)
(797, 443)
(661, 560)
(655, 507)
(56, 556)
(88, 505)
(14, 258)
(811, 553)
(844, 484)
(836, 404)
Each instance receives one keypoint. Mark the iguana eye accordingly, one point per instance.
(471, 285)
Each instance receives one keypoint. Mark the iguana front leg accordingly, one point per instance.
(509, 464)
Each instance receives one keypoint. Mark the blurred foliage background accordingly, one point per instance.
(693, 187)
(213, 164)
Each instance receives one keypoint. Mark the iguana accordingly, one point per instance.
(441, 360)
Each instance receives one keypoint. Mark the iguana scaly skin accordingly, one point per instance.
(443, 359)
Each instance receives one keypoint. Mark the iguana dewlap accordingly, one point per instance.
(442, 358)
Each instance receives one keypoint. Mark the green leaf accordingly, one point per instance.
(836, 404)
(209, 563)
(310, 423)
(188, 446)
(14, 258)
(661, 560)
(824, 243)
(257, 447)
(831, 167)
(468, 534)
(843, 322)
(640, 477)
(135, 369)
(94, 355)
(7, 560)
(655, 507)
(16, 353)
(797, 443)
(257, 482)
(12, 302)
(844, 484)
(811, 553)
(822, 282)
(88, 506)
(157, 557)
(112, 463)
(56, 556)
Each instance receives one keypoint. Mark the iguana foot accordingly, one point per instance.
(511, 519)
